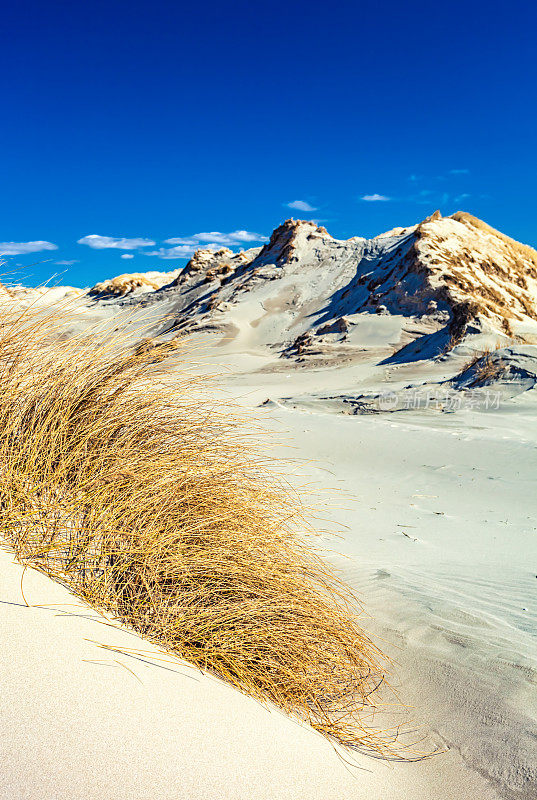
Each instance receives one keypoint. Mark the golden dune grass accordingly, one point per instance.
(486, 367)
(148, 502)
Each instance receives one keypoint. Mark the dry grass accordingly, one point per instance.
(149, 503)
(486, 367)
(488, 370)
(452, 342)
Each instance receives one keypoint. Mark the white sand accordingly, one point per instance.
(81, 723)
(441, 537)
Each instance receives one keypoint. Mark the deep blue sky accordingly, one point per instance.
(158, 120)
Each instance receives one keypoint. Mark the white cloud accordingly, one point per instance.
(67, 263)
(185, 250)
(459, 171)
(126, 255)
(110, 242)
(19, 248)
(301, 205)
(218, 238)
(375, 198)
(462, 197)
(181, 251)
(183, 240)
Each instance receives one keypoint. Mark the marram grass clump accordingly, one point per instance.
(150, 504)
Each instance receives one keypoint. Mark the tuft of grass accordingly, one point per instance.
(148, 501)
(488, 369)
(485, 367)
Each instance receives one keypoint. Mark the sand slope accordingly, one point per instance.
(79, 721)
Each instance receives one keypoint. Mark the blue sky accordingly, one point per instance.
(134, 132)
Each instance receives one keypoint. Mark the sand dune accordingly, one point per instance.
(401, 372)
(81, 721)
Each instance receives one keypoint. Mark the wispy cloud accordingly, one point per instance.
(67, 263)
(428, 197)
(414, 177)
(126, 255)
(218, 238)
(433, 191)
(20, 248)
(436, 197)
(375, 198)
(301, 205)
(186, 246)
(180, 251)
(110, 242)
